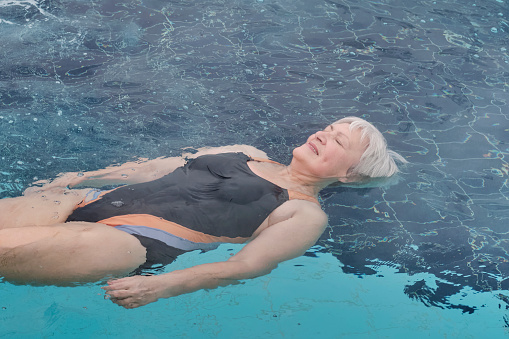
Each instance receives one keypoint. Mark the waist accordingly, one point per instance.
(169, 232)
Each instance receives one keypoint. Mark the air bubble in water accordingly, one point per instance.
(117, 203)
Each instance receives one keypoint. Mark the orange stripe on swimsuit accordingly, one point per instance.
(148, 220)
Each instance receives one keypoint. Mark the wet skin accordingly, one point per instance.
(36, 246)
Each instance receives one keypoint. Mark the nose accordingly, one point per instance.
(321, 136)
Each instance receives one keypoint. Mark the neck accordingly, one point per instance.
(306, 181)
(287, 177)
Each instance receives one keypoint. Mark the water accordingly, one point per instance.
(84, 84)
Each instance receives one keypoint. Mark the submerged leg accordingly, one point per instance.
(64, 254)
(47, 207)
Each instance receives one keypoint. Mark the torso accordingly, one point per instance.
(242, 203)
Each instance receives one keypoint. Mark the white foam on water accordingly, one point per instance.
(26, 4)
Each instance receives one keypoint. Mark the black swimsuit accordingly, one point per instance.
(213, 199)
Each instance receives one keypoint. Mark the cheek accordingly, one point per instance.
(336, 171)
(324, 168)
(338, 165)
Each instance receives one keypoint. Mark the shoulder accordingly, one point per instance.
(246, 149)
(301, 210)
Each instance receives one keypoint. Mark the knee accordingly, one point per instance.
(10, 264)
(8, 247)
(7, 258)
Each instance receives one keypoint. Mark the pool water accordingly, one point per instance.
(86, 84)
(303, 298)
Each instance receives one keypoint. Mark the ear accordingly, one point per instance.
(343, 181)
(354, 178)
(349, 179)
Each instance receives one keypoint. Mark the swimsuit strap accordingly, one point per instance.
(301, 196)
(292, 194)
(265, 160)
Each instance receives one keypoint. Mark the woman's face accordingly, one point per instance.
(332, 152)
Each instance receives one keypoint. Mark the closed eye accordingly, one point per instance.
(332, 129)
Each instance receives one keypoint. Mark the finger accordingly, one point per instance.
(109, 288)
(40, 182)
(122, 294)
(116, 284)
(127, 303)
(123, 302)
(113, 299)
(132, 304)
(119, 281)
(112, 288)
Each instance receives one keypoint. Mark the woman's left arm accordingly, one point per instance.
(279, 242)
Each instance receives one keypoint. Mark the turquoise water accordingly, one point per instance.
(303, 298)
(86, 84)
(305, 301)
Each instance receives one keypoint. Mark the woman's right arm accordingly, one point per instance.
(134, 172)
(129, 173)
(279, 242)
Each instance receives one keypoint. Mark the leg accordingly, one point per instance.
(65, 254)
(38, 208)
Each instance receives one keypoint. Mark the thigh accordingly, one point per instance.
(69, 253)
(47, 207)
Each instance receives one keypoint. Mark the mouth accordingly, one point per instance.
(313, 147)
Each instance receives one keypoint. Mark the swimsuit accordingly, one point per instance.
(213, 199)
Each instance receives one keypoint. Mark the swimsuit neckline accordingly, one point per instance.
(294, 193)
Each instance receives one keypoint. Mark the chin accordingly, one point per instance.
(298, 152)
(305, 158)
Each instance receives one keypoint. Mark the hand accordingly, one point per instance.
(132, 292)
(63, 180)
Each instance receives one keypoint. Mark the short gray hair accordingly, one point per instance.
(377, 161)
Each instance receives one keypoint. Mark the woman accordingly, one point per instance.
(57, 235)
